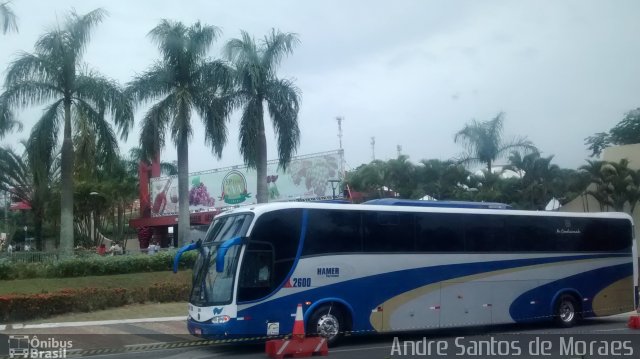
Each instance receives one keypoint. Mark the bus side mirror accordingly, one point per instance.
(188, 247)
(223, 249)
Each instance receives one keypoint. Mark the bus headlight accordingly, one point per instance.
(220, 319)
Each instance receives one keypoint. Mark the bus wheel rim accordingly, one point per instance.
(328, 326)
(567, 311)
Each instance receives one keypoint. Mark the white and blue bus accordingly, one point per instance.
(397, 266)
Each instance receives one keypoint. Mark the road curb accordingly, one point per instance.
(21, 326)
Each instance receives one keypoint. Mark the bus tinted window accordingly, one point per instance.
(388, 232)
(485, 233)
(332, 231)
(569, 234)
(439, 232)
(619, 236)
(282, 229)
(530, 234)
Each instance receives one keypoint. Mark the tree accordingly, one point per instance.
(54, 74)
(183, 80)
(484, 142)
(8, 19)
(441, 179)
(29, 178)
(537, 176)
(626, 132)
(255, 76)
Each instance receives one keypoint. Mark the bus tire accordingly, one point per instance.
(327, 321)
(567, 311)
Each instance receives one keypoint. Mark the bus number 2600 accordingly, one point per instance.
(301, 282)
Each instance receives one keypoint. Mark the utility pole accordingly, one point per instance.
(340, 119)
(399, 150)
(342, 163)
(373, 149)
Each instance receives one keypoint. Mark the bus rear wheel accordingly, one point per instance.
(328, 322)
(567, 311)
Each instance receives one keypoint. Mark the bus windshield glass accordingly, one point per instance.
(209, 286)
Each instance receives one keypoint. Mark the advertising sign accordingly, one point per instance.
(306, 178)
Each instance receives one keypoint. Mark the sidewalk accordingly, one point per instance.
(153, 318)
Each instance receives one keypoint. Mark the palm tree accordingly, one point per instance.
(537, 176)
(257, 83)
(54, 74)
(29, 177)
(183, 80)
(484, 142)
(7, 18)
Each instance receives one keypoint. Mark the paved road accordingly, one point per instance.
(168, 339)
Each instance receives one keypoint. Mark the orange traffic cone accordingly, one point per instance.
(298, 325)
(298, 346)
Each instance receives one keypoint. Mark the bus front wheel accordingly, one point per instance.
(567, 311)
(327, 321)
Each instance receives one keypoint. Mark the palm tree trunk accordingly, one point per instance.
(120, 221)
(66, 190)
(261, 165)
(183, 191)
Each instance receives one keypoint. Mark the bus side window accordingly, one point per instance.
(332, 231)
(282, 229)
(439, 232)
(485, 233)
(388, 232)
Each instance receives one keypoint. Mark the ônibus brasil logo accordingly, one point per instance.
(24, 346)
(234, 188)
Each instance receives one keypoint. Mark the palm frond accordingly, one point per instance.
(171, 40)
(43, 140)
(8, 18)
(79, 28)
(106, 143)
(30, 67)
(249, 128)
(283, 99)
(200, 39)
(153, 126)
(8, 121)
(276, 45)
(106, 96)
(152, 84)
(28, 93)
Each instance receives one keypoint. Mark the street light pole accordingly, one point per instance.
(334, 185)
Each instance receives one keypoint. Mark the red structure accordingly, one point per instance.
(157, 228)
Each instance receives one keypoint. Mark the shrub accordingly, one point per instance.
(94, 265)
(15, 307)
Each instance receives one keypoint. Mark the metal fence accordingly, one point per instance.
(30, 257)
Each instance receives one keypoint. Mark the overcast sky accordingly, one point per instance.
(408, 73)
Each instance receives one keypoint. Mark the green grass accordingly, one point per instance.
(132, 280)
(133, 311)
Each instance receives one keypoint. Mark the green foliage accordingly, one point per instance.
(626, 132)
(94, 265)
(484, 142)
(8, 19)
(14, 307)
(257, 85)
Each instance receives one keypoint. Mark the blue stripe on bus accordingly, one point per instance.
(585, 285)
(368, 292)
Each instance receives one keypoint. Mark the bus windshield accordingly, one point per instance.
(209, 286)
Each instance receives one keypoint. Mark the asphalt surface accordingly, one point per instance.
(169, 339)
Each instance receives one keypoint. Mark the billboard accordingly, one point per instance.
(306, 178)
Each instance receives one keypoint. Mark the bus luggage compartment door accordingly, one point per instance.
(466, 304)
